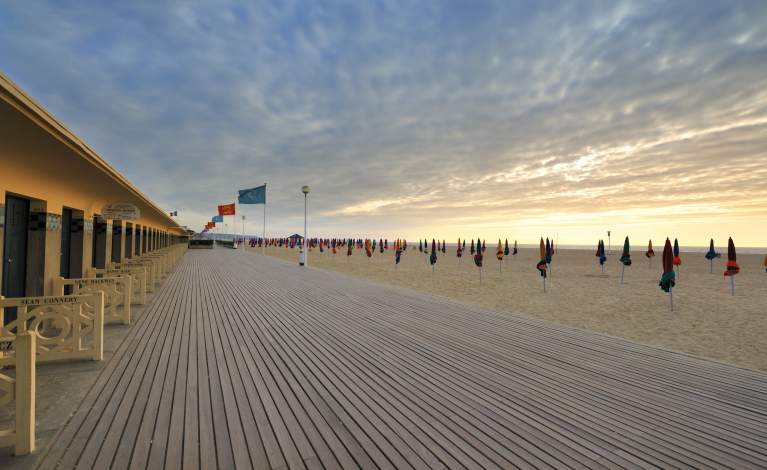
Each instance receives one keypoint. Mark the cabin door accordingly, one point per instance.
(15, 251)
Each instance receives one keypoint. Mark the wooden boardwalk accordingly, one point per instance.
(242, 361)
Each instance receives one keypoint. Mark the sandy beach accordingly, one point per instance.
(707, 320)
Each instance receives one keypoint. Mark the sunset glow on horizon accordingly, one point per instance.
(423, 119)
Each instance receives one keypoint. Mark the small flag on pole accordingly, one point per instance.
(217, 218)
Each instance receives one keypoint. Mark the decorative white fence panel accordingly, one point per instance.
(66, 327)
(21, 389)
(138, 277)
(117, 294)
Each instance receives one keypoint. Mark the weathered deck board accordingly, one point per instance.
(242, 361)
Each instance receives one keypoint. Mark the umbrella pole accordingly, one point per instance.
(623, 270)
(711, 269)
(603, 268)
(480, 276)
(500, 266)
(544, 284)
(732, 284)
(671, 297)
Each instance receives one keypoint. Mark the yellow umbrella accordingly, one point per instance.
(499, 255)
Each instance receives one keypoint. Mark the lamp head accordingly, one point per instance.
(305, 189)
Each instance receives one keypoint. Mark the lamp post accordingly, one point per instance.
(304, 255)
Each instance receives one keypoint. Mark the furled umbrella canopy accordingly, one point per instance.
(484, 247)
(499, 251)
(548, 252)
(433, 256)
(626, 255)
(420, 246)
(541, 266)
(650, 252)
(478, 254)
(711, 253)
(368, 248)
(472, 246)
(458, 249)
(677, 259)
(667, 279)
(506, 247)
(444, 250)
(515, 248)
(349, 249)
(732, 263)
(464, 244)
(380, 245)
(397, 252)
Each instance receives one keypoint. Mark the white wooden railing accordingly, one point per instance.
(117, 294)
(21, 390)
(66, 327)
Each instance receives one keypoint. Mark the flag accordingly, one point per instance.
(217, 218)
(173, 213)
(226, 209)
(253, 195)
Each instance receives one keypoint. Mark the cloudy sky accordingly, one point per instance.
(420, 118)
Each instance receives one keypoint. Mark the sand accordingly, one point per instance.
(707, 320)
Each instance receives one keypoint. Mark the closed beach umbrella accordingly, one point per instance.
(506, 247)
(472, 246)
(650, 253)
(397, 252)
(484, 247)
(601, 254)
(380, 245)
(667, 281)
(711, 254)
(541, 266)
(464, 244)
(368, 248)
(732, 264)
(499, 255)
(765, 262)
(515, 249)
(433, 256)
(444, 250)
(625, 257)
(478, 257)
(349, 249)
(459, 250)
(677, 259)
(420, 246)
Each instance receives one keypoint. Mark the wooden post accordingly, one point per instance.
(25, 393)
(58, 285)
(98, 328)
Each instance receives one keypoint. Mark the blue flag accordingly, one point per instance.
(218, 218)
(253, 195)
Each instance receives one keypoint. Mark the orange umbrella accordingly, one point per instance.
(732, 264)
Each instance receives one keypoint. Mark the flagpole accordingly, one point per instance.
(263, 245)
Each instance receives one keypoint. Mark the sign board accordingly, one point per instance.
(120, 211)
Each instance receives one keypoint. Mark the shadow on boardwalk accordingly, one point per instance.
(242, 361)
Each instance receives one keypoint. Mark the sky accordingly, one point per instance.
(446, 119)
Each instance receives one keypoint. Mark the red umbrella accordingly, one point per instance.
(667, 279)
(732, 264)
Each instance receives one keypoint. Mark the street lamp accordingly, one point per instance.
(303, 258)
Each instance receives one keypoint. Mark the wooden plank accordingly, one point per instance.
(241, 361)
